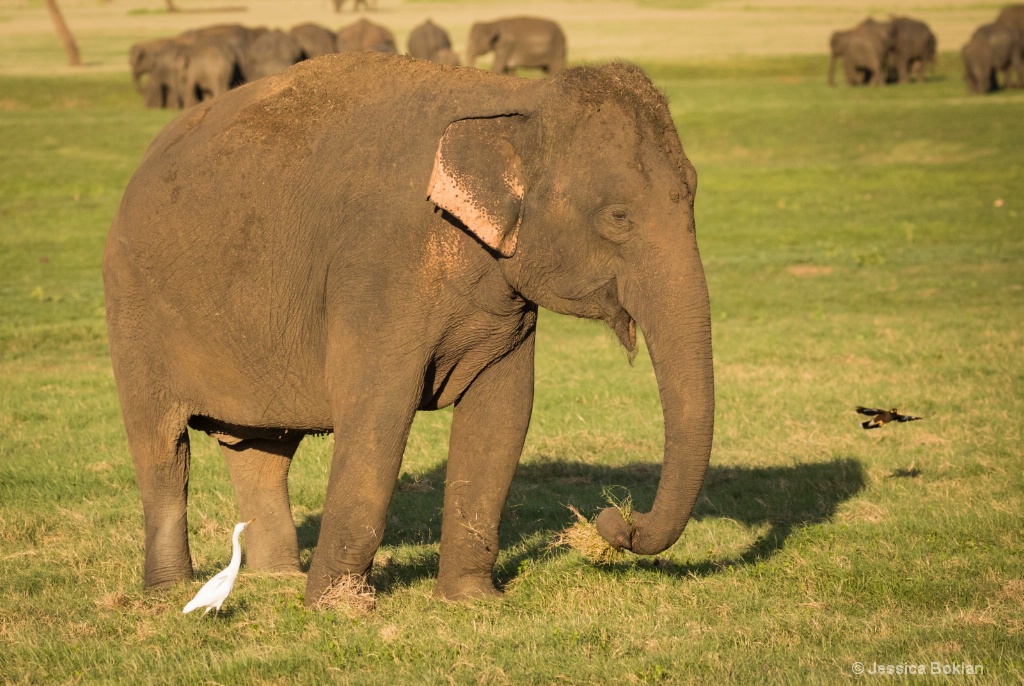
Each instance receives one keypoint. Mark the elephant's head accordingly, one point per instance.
(482, 37)
(585, 198)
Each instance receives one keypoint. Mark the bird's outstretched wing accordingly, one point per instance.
(907, 418)
(868, 411)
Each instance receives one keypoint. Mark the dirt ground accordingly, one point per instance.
(646, 31)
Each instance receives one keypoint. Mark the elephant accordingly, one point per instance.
(166, 80)
(992, 48)
(365, 4)
(428, 38)
(235, 36)
(270, 53)
(1012, 16)
(142, 57)
(528, 42)
(213, 48)
(912, 48)
(365, 36)
(863, 50)
(243, 304)
(209, 69)
(314, 40)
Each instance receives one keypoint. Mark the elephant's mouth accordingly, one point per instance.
(616, 316)
(625, 328)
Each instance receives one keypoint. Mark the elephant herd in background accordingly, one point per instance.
(203, 63)
(880, 52)
(876, 52)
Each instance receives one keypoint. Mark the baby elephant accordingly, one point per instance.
(519, 42)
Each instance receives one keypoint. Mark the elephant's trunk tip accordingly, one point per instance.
(614, 528)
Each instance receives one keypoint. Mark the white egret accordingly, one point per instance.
(215, 591)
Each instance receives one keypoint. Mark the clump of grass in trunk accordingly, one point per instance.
(350, 593)
(584, 538)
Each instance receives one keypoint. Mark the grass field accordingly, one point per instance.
(861, 246)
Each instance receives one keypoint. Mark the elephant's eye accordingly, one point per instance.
(614, 223)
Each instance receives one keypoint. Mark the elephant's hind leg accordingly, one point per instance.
(259, 472)
(159, 446)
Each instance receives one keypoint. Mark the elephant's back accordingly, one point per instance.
(294, 174)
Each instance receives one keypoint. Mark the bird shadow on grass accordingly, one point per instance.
(783, 498)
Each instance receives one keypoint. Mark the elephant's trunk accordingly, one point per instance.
(832, 70)
(676, 320)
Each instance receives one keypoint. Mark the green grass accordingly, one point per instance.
(854, 254)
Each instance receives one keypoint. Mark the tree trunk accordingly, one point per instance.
(65, 35)
(171, 7)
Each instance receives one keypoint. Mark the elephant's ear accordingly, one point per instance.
(478, 179)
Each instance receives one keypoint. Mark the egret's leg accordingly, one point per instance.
(259, 472)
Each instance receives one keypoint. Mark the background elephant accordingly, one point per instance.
(912, 48)
(165, 84)
(314, 40)
(260, 317)
(270, 53)
(365, 36)
(365, 4)
(212, 48)
(235, 36)
(210, 69)
(141, 58)
(992, 48)
(1012, 16)
(863, 50)
(427, 39)
(518, 42)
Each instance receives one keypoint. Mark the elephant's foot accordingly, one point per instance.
(467, 588)
(352, 591)
(165, 577)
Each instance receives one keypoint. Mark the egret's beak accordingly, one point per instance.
(250, 521)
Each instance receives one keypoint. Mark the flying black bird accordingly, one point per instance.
(880, 417)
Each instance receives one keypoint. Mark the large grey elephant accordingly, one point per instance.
(518, 42)
(365, 36)
(258, 290)
(912, 48)
(864, 50)
(993, 48)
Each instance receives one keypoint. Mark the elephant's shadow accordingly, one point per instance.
(783, 498)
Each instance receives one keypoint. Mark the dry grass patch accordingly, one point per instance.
(809, 270)
(350, 593)
(583, 537)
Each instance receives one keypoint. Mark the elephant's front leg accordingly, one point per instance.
(488, 431)
(373, 414)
